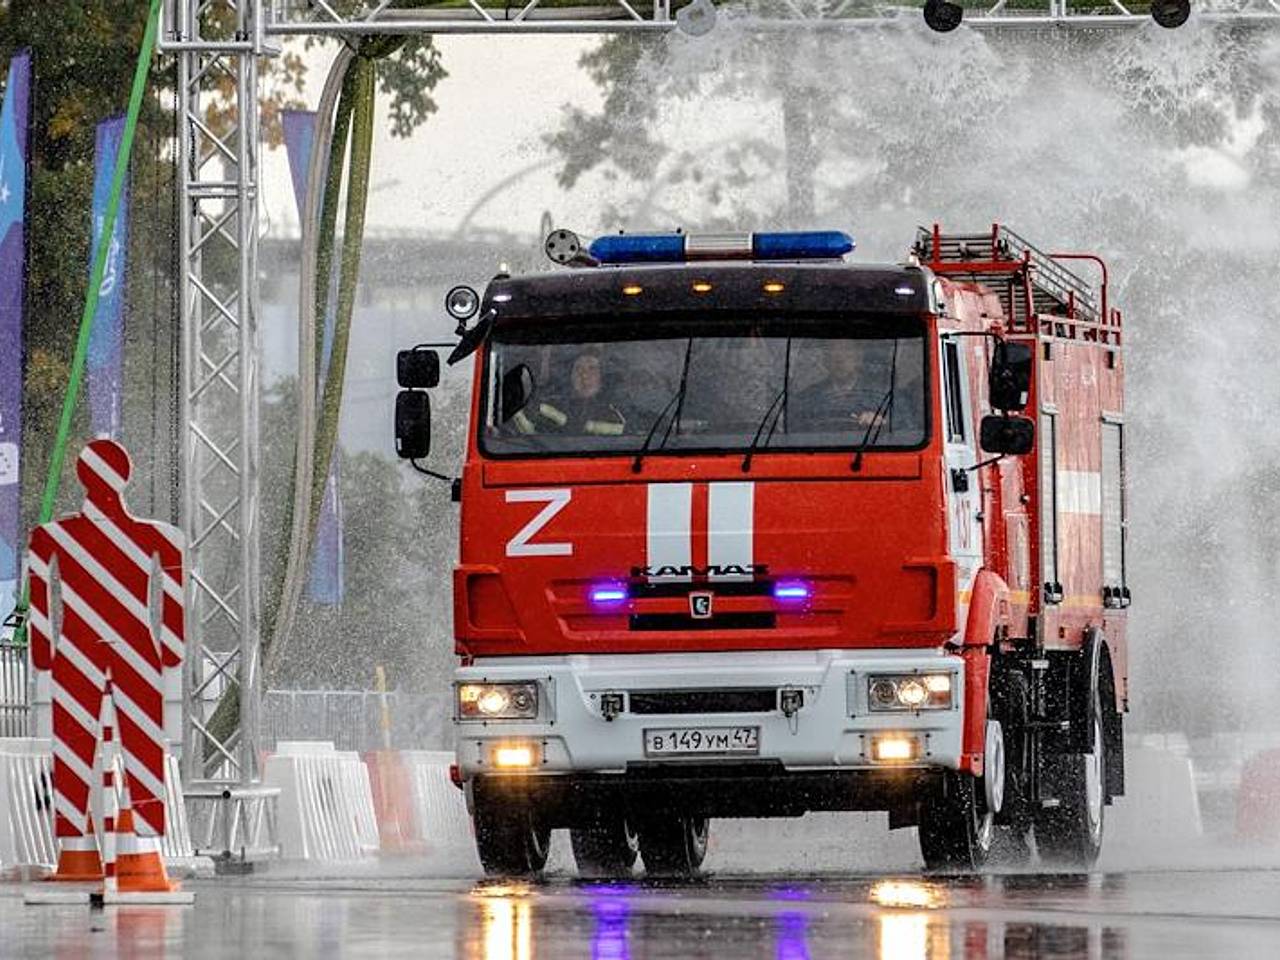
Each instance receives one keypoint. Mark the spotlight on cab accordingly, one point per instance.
(1170, 13)
(942, 16)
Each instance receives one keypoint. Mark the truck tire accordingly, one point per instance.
(1011, 705)
(956, 831)
(674, 846)
(608, 849)
(510, 840)
(1071, 832)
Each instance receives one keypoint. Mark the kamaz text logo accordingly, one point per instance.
(712, 571)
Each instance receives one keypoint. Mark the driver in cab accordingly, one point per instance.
(581, 409)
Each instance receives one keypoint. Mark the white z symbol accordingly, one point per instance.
(555, 500)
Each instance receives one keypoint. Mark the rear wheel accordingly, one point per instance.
(605, 849)
(511, 840)
(1070, 833)
(674, 846)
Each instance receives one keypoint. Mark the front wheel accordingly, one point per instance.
(510, 839)
(956, 828)
(674, 846)
(608, 849)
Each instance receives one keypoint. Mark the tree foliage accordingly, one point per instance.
(83, 55)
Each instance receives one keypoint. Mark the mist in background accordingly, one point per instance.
(1157, 149)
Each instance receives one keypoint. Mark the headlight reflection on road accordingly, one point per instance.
(506, 916)
(905, 932)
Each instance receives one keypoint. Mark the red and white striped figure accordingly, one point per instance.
(106, 619)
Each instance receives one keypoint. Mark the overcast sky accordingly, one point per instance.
(502, 94)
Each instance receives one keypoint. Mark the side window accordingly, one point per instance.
(954, 393)
(1048, 445)
(1114, 512)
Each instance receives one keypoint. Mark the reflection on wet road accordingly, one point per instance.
(1133, 916)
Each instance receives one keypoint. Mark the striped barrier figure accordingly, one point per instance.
(112, 586)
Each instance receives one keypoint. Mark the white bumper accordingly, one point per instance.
(831, 731)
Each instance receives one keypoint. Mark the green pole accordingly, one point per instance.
(100, 262)
(95, 277)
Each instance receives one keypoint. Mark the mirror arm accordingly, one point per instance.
(986, 463)
(430, 473)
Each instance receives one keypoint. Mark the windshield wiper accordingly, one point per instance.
(779, 404)
(883, 411)
(677, 402)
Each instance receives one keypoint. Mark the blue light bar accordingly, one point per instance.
(807, 245)
(639, 248)
(681, 248)
(608, 593)
(791, 590)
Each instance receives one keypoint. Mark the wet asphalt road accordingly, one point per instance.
(1138, 915)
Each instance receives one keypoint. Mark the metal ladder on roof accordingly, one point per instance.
(1000, 260)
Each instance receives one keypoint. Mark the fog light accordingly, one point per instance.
(513, 756)
(894, 747)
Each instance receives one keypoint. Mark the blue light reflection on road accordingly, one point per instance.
(610, 940)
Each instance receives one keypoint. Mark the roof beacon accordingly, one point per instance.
(683, 248)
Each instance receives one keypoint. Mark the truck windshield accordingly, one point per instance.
(571, 387)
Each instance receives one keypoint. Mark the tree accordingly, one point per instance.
(83, 54)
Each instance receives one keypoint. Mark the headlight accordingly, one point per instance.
(498, 701)
(909, 691)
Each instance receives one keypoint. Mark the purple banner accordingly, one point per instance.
(13, 193)
(326, 583)
(103, 363)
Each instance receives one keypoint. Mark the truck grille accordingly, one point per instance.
(721, 621)
(746, 700)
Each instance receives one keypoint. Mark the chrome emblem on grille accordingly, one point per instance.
(700, 605)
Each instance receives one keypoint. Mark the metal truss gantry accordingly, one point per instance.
(218, 45)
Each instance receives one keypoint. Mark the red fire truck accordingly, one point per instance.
(749, 531)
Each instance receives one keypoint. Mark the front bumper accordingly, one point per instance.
(830, 734)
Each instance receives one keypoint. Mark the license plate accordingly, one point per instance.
(701, 741)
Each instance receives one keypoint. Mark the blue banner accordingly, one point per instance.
(13, 197)
(103, 363)
(326, 583)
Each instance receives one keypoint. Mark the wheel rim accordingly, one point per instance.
(1093, 782)
(993, 772)
(698, 832)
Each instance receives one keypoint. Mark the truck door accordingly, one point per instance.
(962, 492)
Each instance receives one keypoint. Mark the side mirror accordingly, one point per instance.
(517, 390)
(1009, 380)
(413, 425)
(418, 369)
(1007, 435)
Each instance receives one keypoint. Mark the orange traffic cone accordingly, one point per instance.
(139, 863)
(78, 858)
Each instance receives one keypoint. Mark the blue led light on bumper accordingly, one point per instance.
(791, 590)
(606, 594)
(682, 248)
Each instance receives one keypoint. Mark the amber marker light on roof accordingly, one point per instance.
(632, 290)
(701, 286)
(774, 286)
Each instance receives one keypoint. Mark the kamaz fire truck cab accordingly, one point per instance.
(749, 531)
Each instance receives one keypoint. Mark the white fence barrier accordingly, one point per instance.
(438, 806)
(15, 706)
(1160, 800)
(326, 803)
(26, 804)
